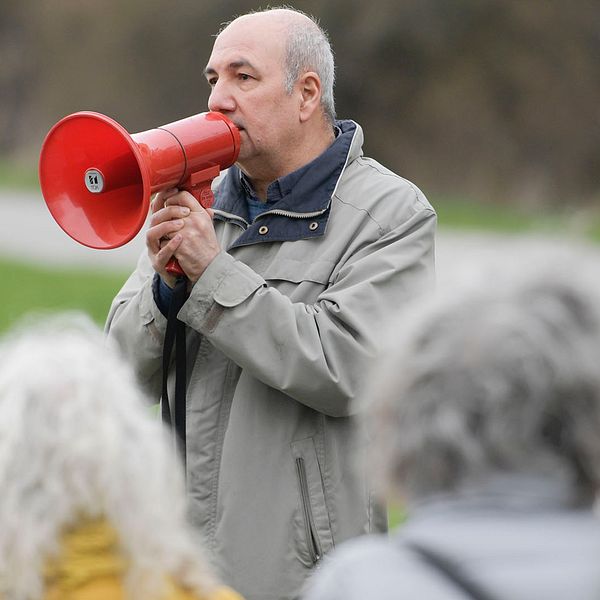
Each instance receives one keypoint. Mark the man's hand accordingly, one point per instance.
(182, 228)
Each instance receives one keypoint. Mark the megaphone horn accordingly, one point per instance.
(97, 179)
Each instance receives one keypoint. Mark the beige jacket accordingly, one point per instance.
(282, 327)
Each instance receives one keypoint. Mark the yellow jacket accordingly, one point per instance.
(91, 567)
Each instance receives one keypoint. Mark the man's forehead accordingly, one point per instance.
(237, 47)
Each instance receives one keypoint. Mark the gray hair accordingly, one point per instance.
(77, 442)
(493, 378)
(308, 49)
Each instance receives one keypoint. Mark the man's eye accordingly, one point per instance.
(244, 76)
(212, 81)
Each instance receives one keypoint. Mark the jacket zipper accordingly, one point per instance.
(243, 224)
(312, 541)
(231, 218)
(291, 215)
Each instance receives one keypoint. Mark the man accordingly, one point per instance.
(485, 414)
(292, 277)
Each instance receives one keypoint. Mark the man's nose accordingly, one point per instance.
(220, 99)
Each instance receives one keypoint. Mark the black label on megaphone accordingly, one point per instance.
(94, 181)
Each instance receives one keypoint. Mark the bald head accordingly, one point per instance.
(282, 16)
(276, 19)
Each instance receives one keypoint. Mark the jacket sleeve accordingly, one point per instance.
(137, 325)
(316, 353)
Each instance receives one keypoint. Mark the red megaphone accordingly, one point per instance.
(97, 179)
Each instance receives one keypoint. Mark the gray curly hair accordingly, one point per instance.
(498, 377)
(76, 441)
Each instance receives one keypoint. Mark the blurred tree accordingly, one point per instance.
(494, 99)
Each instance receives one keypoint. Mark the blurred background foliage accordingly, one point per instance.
(491, 106)
(493, 100)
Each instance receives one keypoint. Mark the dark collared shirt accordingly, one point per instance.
(277, 189)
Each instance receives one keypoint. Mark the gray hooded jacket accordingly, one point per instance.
(281, 329)
(514, 538)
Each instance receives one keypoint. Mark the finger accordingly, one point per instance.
(160, 260)
(186, 199)
(169, 213)
(163, 231)
(159, 199)
(164, 255)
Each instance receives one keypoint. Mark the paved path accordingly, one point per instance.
(28, 232)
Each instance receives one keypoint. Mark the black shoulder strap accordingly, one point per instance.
(175, 336)
(451, 571)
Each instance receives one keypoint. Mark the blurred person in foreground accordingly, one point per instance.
(485, 417)
(92, 503)
(292, 277)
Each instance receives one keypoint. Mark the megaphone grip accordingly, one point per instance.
(203, 193)
(174, 268)
(200, 187)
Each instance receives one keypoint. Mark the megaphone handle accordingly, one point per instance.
(174, 268)
(199, 184)
(203, 193)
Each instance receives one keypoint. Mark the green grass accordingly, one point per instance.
(471, 215)
(17, 176)
(30, 289)
(474, 215)
(396, 516)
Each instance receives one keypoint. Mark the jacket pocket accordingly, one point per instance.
(300, 281)
(298, 270)
(312, 523)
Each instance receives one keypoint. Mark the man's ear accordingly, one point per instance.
(309, 86)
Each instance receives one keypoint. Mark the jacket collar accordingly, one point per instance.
(504, 492)
(303, 210)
